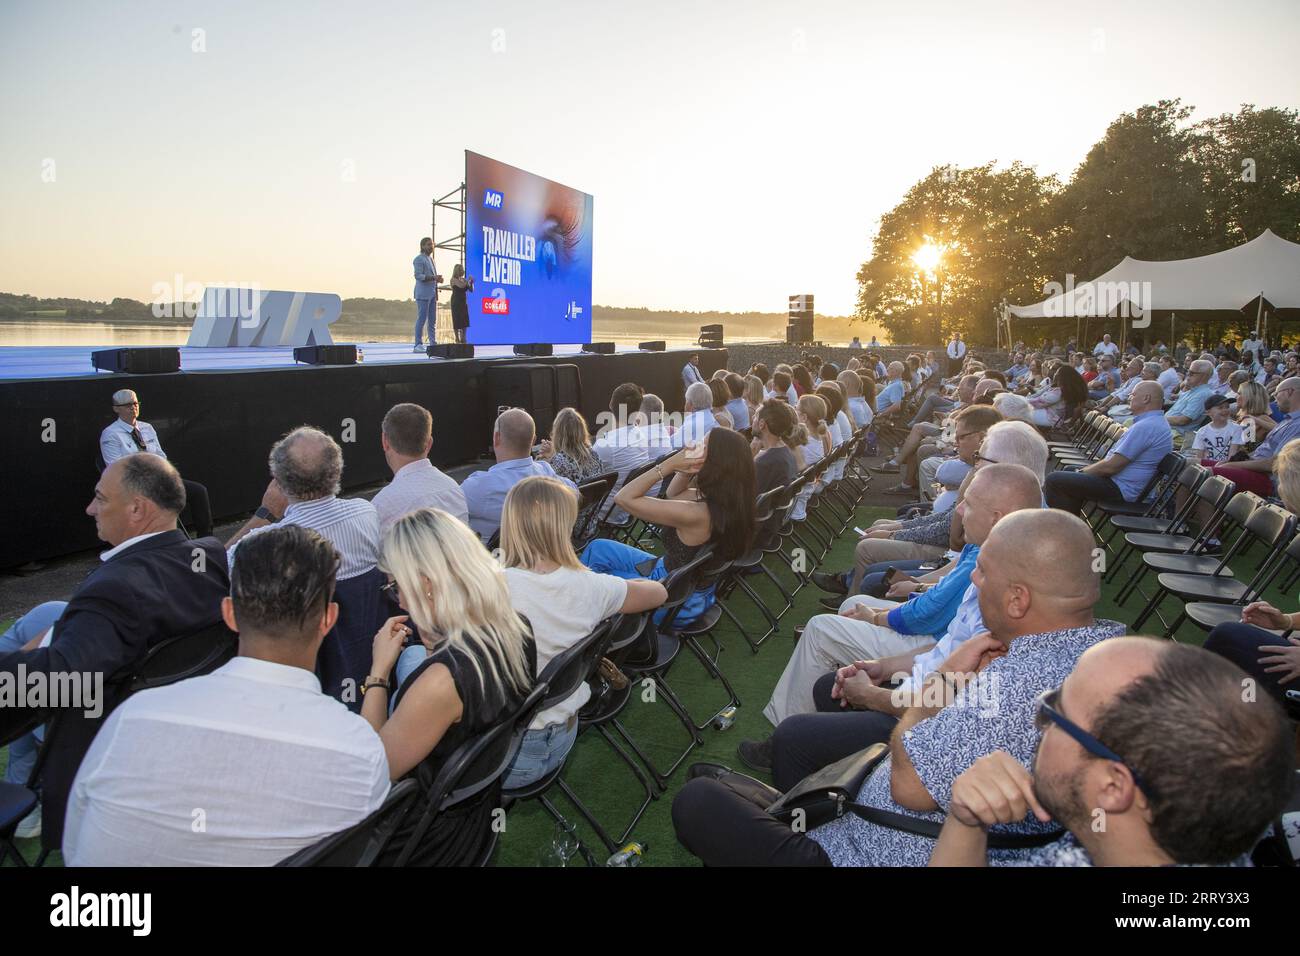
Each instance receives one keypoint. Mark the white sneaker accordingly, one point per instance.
(418, 348)
(30, 825)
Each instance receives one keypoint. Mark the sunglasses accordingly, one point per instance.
(1048, 712)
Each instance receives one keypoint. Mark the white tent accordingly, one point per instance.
(1222, 281)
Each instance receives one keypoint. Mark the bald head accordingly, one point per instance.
(1288, 394)
(1036, 573)
(1145, 397)
(513, 435)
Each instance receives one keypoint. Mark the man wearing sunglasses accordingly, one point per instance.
(1149, 754)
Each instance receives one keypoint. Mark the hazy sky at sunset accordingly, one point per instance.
(737, 151)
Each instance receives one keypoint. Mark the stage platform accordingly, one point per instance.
(65, 361)
(218, 417)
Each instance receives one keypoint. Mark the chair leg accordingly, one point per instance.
(1150, 606)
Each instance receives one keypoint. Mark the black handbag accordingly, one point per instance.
(829, 793)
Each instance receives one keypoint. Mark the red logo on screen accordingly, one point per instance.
(496, 306)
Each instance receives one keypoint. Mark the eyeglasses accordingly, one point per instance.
(1048, 713)
(126, 405)
(987, 461)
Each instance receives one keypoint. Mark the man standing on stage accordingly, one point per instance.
(426, 292)
(956, 354)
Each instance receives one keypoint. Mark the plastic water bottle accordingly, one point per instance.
(725, 719)
(630, 855)
(872, 450)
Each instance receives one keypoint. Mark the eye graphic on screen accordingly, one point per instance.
(560, 233)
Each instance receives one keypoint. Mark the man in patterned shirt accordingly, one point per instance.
(1037, 591)
(1155, 738)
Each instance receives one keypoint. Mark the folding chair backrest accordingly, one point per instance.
(187, 655)
(464, 774)
(1272, 525)
(361, 844)
(681, 585)
(567, 671)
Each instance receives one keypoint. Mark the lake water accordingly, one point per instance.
(48, 332)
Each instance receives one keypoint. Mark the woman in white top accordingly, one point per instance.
(563, 602)
(816, 446)
(841, 427)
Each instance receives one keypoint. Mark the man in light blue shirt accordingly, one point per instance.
(426, 292)
(485, 491)
(892, 393)
(1184, 417)
(1126, 471)
(691, 371)
(1256, 473)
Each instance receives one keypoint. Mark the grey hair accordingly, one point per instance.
(1151, 368)
(652, 404)
(1013, 407)
(154, 478)
(307, 463)
(1018, 443)
(699, 397)
(122, 396)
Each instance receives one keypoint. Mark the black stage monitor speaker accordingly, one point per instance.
(653, 346)
(137, 361)
(451, 350)
(710, 336)
(706, 329)
(326, 354)
(599, 348)
(526, 385)
(533, 348)
(568, 387)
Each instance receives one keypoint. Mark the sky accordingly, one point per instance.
(738, 152)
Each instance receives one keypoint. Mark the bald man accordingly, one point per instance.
(1036, 594)
(1185, 415)
(1124, 473)
(513, 435)
(869, 628)
(1136, 717)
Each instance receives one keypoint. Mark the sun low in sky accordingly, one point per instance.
(738, 152)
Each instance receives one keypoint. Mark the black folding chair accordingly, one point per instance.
(362, 843)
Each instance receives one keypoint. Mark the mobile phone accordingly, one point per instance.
(859, 531)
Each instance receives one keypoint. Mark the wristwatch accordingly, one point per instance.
(264, 513)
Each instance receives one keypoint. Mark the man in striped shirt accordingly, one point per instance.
(306, 475)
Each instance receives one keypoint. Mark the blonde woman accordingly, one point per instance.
(1252, 406)
(812, 416)
(479, 664)
(569, 448)
(754, 396)
(563, 601)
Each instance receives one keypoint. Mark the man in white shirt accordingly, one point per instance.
(128, 435)
(407, 437)
(306, 475)
(1106, 347)
(1168, 378)
(512, 443)
(616, 445)
(244, 766)
(699, 419)
(1252, 344)
(1222, 383)
(956, 354)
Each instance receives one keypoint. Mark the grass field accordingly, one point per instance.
(608, 787)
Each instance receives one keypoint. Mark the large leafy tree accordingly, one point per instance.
(989, 223)
(1250, 165)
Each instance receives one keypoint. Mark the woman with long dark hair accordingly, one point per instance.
(803, 383)
(1059, 403)
(710, 502)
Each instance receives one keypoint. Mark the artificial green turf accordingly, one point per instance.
(607, 786)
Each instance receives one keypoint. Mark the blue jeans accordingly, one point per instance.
(613, 557)
(541, 752)
(22, 752)
(873, 578)
(423, 318)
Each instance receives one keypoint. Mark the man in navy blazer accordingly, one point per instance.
(154, 583)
